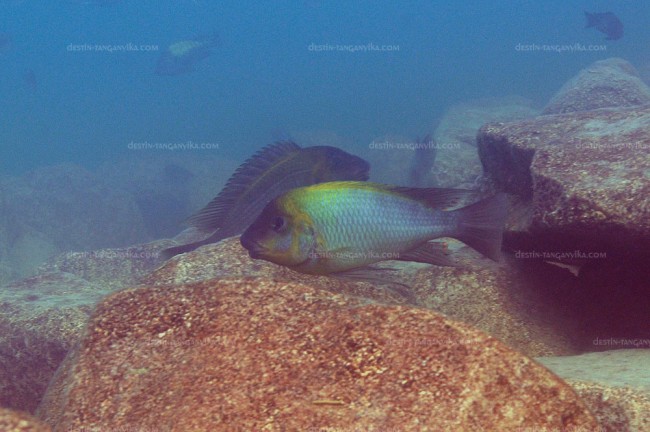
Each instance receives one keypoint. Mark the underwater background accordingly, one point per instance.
(134, 132)
(262, 80)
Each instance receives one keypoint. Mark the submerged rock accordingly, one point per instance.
(608, 83)
(458, 164)
(614, 368)
(44, 315)
(615, 408)
(256, 354)
(498, 299)
(16, 421)
(585, 172)
(115, 268)
(229, 259)
(40, 319)
(502, 300)
(615, 385)
(462, 121)
(584, 180)
(54, 209)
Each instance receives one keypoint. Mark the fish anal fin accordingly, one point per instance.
(435, 253)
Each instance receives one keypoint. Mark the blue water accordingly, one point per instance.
(262, 78)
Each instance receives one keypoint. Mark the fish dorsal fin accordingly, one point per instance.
(213, 215)
(438, 198)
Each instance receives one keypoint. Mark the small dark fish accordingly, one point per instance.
(29, 78)
(333, 228)
(607, 23)
(180, 57)
(272, 171)
(423, 159)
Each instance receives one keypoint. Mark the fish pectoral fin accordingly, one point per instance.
(377, 276)
(436, 253)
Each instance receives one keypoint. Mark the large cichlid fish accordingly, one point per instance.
(333, 228)
(272, 171)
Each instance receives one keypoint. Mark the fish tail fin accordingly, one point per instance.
(480, 225)
(591, 20)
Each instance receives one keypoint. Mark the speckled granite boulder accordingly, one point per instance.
(586, 173)
(583, 180)
(40, 319)
(615, 384)
(608, 83)
(496, 299)
(255, 355)
(528, 314)
(616, 408)
(16, 421)
(228, 259)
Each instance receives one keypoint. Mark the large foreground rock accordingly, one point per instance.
(616, 408)
(615, 385)
(608, 83)
(254, 355)
(15, 421)
(42, 316)
(40, 319)
(498, 299)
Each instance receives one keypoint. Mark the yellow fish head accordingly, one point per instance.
(281, 234)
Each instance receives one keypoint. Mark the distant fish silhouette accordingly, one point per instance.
(29, 78)
(180, 57)
(607, 23)
(423, 159)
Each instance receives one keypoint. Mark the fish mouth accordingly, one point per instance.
(255, 250)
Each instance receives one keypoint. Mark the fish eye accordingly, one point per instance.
(278, 223)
